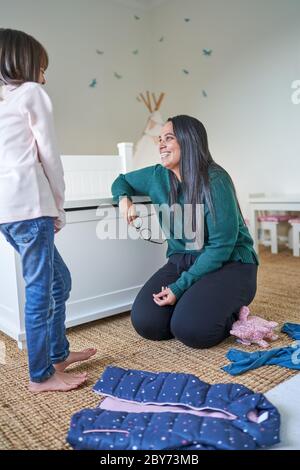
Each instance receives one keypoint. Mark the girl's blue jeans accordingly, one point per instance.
(48, 285)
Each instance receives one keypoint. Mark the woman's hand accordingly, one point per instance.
(165, 297)
(127, 210)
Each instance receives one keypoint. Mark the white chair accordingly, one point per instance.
(269, 226)
(267, 230)
(295, 223)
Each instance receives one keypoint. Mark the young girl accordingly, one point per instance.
(31, 208)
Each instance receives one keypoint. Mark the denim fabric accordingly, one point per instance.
(48, 284)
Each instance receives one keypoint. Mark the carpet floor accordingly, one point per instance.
(41, 421)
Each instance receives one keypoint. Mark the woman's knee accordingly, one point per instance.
(146, 324)
(202, 342)
(198, 336)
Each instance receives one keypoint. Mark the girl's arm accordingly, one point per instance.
(38, 107)
(222, 236)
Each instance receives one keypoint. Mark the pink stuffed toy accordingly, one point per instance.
(252, 329)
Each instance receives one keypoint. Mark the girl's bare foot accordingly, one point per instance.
(75, 357)
(58, 382)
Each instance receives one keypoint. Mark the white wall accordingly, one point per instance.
(89, 120)
(252, 125)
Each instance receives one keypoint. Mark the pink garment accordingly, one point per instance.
(294, 221)
(253, 329)
(273, 218)
(116, 404)
(31, 173)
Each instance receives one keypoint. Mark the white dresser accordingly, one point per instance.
(107, 273)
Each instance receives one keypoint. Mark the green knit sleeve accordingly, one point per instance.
(222, 230)
(134, 183)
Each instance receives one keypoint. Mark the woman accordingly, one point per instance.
(197, 295)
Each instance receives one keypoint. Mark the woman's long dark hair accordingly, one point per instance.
(21, 57)
(195, 161)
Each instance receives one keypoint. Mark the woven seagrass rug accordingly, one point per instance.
(41, 421)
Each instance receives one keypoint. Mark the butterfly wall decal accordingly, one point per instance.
(117, 75)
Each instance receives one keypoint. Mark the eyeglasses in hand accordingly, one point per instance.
(145, 233)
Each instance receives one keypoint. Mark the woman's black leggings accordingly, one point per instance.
(203, 316)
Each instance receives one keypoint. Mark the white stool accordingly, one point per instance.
(295, 223)
(269, 223)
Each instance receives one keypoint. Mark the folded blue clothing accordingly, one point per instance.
(292, 329)
(163, 411)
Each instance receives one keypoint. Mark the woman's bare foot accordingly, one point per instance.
(75, 357)
(58, 382)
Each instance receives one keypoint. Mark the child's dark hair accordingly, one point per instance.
(21, 57)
